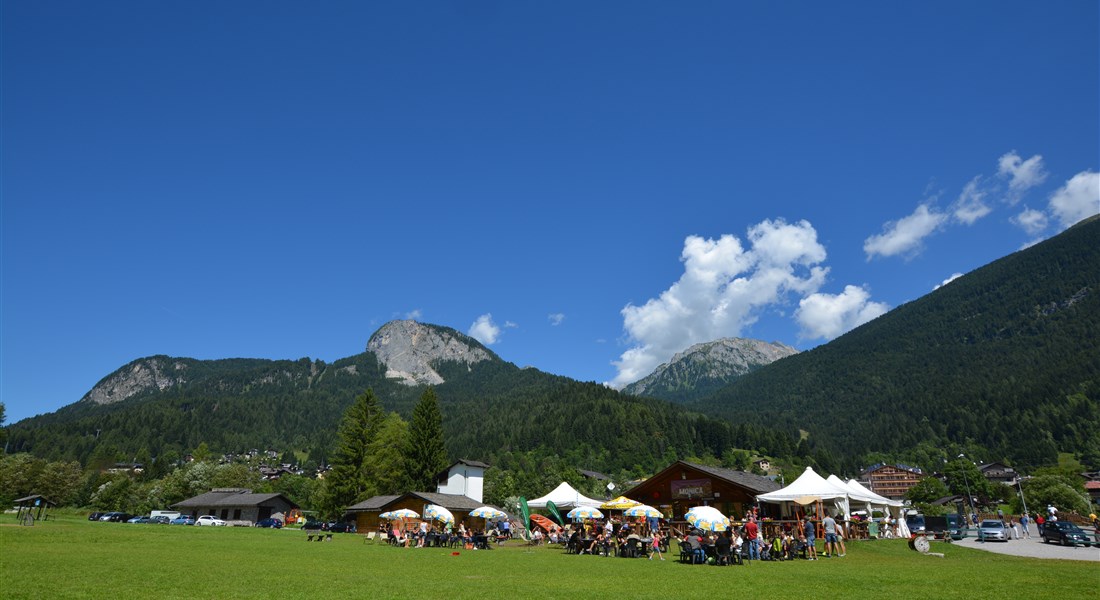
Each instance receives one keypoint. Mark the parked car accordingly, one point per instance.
(272, 523)
(160, 520)
(95, 516)
(1064, 533)
(956, 526)
(210, 520)
(915, 523)
(144, 519)
(314, 525)
(116, 517)
(341, 527)
(992, 529)
(183, 520)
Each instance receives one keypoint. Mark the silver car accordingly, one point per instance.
(992, 530)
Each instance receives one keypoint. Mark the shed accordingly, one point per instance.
(34, 507)
(236, 504)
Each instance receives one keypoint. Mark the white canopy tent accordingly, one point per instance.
(894, 507)
(811, 487)
(566, 497)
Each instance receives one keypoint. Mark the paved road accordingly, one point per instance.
(1034, 548)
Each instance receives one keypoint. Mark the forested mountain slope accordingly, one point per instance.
(1006, 357)
(492, 410)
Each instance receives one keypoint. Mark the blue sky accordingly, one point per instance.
(586, 187)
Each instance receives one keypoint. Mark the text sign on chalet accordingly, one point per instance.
(692, 488)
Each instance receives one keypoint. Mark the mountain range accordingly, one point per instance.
(1002, 362)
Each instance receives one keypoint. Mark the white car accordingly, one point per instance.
(210, 520)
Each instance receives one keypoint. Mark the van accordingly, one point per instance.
(171, 514)
(956, 526)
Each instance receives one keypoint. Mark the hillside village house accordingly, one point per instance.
(998, 472)
(891, 481)
(460, 489)
(236, 504)
(684, 485)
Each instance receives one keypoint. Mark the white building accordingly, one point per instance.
(463, 478)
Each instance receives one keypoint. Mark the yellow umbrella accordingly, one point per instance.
(620, 503)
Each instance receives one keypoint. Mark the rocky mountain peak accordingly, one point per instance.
(144, 374)
(707, 366)
(408, 349)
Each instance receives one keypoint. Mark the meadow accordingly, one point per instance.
(70, 557)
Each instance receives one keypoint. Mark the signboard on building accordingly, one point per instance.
(692, 488)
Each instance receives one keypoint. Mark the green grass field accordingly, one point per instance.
(69, 557)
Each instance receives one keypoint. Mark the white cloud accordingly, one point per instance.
(1077, 199)
(484, 330)
(414, 314)
(1033, 222)
(556, 318)
(971, 204)
(953, 277)
(905, 235)
(722, 290)
(827, 316)
(1022, 174)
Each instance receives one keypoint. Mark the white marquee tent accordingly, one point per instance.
(808, 488)
(564, 496)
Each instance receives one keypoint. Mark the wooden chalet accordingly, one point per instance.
(683, 485)
(365, 514)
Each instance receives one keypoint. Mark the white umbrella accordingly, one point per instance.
(643, 510)
(488, 512)
(585, 512)
(434, 511)
(707, 518)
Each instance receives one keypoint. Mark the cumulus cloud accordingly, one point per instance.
(414, 314)
(556, 318)
(971, 204)
(1022, 174)
(1077, 199)
(722, 290)
(484, 330)
(905, 235)
(826, 316)
(1033, 222)
(953, 277)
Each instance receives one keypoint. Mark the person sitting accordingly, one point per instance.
(536, 539)
(595, 543)
(722, 547)
(574, 545)
(778, 551)
(698, 555)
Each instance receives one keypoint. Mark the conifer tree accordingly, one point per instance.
(348, 481)
(425, 455)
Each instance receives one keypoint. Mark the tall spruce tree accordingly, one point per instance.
(425, 455)
(348, 481)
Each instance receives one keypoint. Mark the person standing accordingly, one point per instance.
(1023, 525)
(656, 545)
(752, 532)
(831, 546)
(808, 531)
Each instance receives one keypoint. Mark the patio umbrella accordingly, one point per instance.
(488, 513)
(707, 518)
(438, 513)
(401, 513)
(584, 512)
(620, 503)
(643, 510)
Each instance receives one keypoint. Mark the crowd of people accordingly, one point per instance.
(425, 534)
(749, 542)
